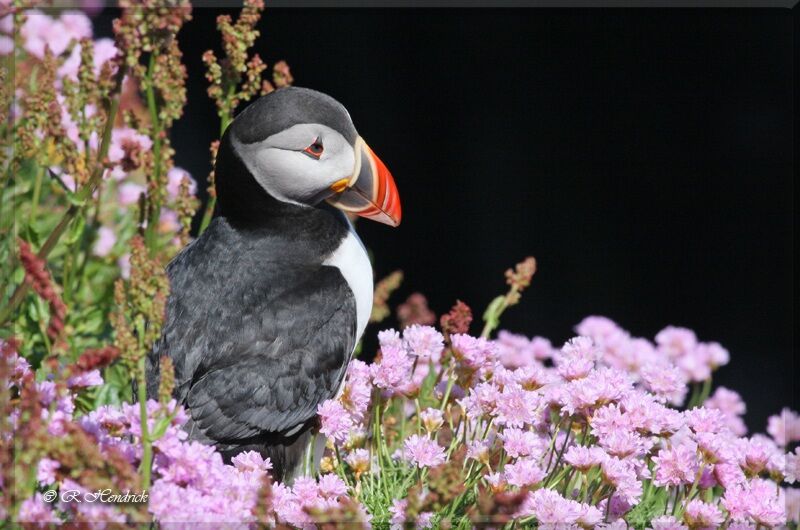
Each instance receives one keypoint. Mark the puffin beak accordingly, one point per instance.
(370, 191)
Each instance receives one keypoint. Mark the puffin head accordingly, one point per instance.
(297, 147)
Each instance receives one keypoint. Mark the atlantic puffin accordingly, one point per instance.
(267, 305)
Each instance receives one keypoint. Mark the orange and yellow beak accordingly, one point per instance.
(370, 191)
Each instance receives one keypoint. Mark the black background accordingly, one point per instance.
(644, 157)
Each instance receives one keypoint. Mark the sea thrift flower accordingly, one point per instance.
(359, 460)
(473, 352)
(518, 443)
(792, 470)
(623, 444)
(576, 358)
(667, 522)
(398, 511)
(432, 419)
(516, 406)
(701, 514)
(251, 461)
(676, 465)
(667, 382)
(702, 419)
(676, 342)
(478, 450)
(784, 427)
(357, 389)
(424, 342)
(423, 451)
(35, 510)
(550, 508)
(524, 472)
(46, 471)
(731, 405)
(621, 475)
(336, 421)
(584, 458)
(393, 370)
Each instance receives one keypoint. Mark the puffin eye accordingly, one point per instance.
(315, 149)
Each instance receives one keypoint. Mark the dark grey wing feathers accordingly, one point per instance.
(257, 343)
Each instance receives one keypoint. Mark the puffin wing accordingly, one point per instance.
(277, 352)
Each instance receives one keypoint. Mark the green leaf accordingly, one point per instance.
(76, 229)
(160, 428)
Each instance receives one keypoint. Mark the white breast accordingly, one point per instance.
(352, 260)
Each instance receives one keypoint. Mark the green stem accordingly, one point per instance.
(225, 120)
(37, 192)
(704, 393)
(147, 447)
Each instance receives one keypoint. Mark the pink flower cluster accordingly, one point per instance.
(589, 430)
(581, 433)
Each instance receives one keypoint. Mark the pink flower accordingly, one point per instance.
(86, 379)
(576, 358)
(524, 472)
(792, 470)
(481, 400)
(600, 387)
(425, 520)
(584, 458)
(784, 427)
(424, 342)
(46, 471)
(128, 193)
(478, 450)
(702, 419)
(518, 443)
(621, 475)
(389, 338)
(359, 460)
(623, 444)
(336, 421)
(174, 178)
(106, 238)
(756, 500)
(423, 451)
(473, 352)
(251, 461)
(792, 496)
(398, 511)
(357, 389)
(516, 406)
(550, 508)
(432, 419)
(393, 370)
(331, 486)
(701, 514)
(676, 342)
(667, 382)
(35, 510)
(676, 465)
(515, 351)
(667, 522)
(597, 327)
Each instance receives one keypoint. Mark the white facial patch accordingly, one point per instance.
(281, 167)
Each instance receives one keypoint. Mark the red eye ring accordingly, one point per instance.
(315, 149)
